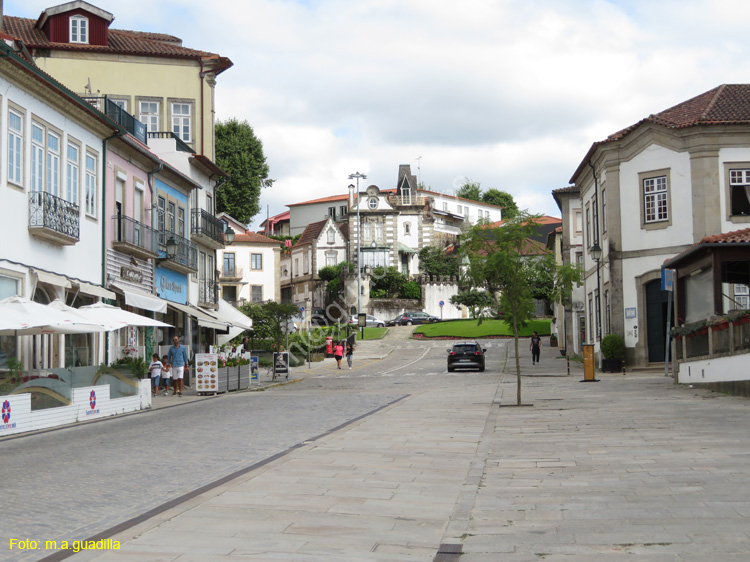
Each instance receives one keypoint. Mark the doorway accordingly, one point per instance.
(656, 320)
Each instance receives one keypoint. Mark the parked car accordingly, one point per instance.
(318, 317)
(409, 318)
(371, 321)
(466, 355)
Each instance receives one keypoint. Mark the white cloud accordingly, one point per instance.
(508, 93)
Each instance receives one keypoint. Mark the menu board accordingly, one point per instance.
(206, 372)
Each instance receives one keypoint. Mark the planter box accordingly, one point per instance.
(612, 365)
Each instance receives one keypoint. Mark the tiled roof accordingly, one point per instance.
(135, 43)
(728, 104)
(742, 236)
(311, 232)
(253, 238)
(322, 200)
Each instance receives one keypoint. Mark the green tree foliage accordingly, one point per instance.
(270, 320)
(331, 275)
(476, 301)
(501, 199)
(434, 261)
(389, 283)
(499, 262)
(411, 290)
(470, 190)
(240, 153)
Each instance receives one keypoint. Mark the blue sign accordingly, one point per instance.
(171, 285)
(442, 304)
(667, 279)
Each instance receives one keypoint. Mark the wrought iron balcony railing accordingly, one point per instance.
(49, 212)
(119, 116)
(186, 253)
(208, 292)
(208, 225)
(130, 232)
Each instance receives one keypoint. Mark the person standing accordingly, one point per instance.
(166, 376)
(349, 353)
(338, 353)
(155, 369)
(178, 359)
(535, 346)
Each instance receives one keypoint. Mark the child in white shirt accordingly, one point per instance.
(155, 369)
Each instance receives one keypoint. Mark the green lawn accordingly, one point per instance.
(469, 329)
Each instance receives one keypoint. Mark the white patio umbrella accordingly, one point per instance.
(23, 317)
(114, 318)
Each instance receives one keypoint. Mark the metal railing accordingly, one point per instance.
(181, 144)
(203, 222)
(52, 212)
(130, 231)
(232, 272)
(208, 291)
(119, 116)
(186, 252)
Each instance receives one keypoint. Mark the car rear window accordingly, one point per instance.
(466, 348)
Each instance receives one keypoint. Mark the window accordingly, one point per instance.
(577, 224)
(466, 212)
(90, 184)
(367, 228)
(588, 241)
(15, 147)
(306, 264)
(181, 221)
(330, 259)
(257, 293)
(739, 192)
(53, 164)
(37, 158)
(181, 121)
(597, 310)
(256, 261)
(122, 104)
(161, 216)
(579, 259)
(460, 210)
(445, 206)
(742, 297)
(606, 312)
(655, 199)
(379, 231)
(343, 211)
(332, 212)
(171, 216)
(149, 115)
(407, 229)
(487, 215)
(72, 173)
(79, 29)
(331, 236)
(210, 205)
(228, 265)
(373, 203)
(604, 210)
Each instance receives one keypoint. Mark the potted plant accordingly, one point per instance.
(613, 353)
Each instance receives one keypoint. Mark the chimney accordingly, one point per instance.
(351, 190)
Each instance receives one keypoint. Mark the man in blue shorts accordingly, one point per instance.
(178, 359)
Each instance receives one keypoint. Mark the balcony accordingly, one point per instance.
(207, 229)
(53, 219)
(181, 145)
(231, 274)
(185, 258)
(400, 201)
(119, 116)
(208, 293)
(134, 238)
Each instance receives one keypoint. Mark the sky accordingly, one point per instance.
(508, 93)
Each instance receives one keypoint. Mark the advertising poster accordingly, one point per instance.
(281, 364)
(206, 372)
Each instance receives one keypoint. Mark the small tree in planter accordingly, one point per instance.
(613, 351)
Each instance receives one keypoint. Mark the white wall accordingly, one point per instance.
(716, 369)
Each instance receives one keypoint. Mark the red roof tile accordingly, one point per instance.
(135, 43)
(254, 238)
(742, 236)
(311, 232)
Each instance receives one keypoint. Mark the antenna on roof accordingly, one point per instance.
(87, 87)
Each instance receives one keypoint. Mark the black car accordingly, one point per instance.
(318, 317)
(395, 321)
(409, 318)
(466, 355)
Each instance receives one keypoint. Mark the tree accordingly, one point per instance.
(270, 320)
(470, 190)
(240, 153)
(434, 261)
(499, 262)
(501, 199)
(476, 301)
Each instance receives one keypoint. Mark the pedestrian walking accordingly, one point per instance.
(166, 375)
(338, 353)
(349, 353)
(535, 346)
(155, 368)
(178, 361)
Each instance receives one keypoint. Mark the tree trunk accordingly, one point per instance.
(518, 363)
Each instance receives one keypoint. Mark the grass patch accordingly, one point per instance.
(488, 328)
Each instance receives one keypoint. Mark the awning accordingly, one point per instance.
(94, 290)
(142, 299)
(403, 248)
(52, 279)
(203, 318)
(230, 314)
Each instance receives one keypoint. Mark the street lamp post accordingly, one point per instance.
(358, 176)
(596, 255)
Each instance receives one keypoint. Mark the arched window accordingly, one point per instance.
(79, 29)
